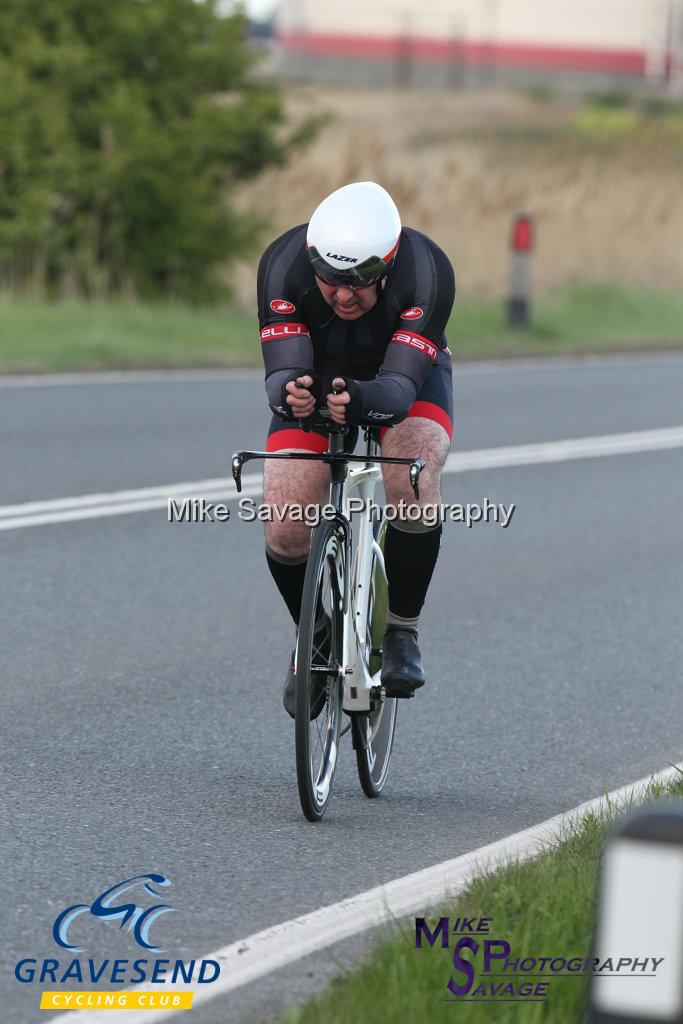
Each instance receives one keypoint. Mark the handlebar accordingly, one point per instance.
(415, 466)
(330, 456)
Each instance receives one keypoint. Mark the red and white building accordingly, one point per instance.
(457, 40)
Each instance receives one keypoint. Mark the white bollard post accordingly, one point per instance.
(637, 972)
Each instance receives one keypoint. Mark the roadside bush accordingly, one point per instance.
(123, 127)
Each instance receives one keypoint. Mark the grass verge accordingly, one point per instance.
(579, 319)
(56, 337)
(543, 907)
(117, 335)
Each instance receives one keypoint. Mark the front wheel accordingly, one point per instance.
(373, 734)
(319, 670)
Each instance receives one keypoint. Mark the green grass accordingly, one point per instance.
(123, 335)
(66, 336)
(577, 319)
(541, 908)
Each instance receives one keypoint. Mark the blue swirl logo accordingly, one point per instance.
(139, 919)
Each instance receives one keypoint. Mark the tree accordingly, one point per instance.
(123, 126)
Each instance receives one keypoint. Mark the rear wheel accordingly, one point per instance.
(317, 739)
(373, 734)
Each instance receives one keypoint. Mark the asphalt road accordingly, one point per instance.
(142, 663)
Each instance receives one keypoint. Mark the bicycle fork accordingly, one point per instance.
(357, 682)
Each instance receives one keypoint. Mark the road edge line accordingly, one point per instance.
(258, 955)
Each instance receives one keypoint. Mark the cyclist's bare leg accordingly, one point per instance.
(411, 547)
(415, 437)
(288, 482)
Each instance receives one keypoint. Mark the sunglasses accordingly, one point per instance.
(346, 284)
(365, 274)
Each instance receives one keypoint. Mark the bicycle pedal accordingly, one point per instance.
(398, 693)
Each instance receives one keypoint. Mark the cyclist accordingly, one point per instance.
(352, 300)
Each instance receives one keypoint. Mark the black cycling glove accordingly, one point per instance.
(354, 410)
(315, 388)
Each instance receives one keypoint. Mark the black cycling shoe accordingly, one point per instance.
(321, 653)
(401, 662)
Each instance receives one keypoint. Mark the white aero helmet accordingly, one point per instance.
(354, 234)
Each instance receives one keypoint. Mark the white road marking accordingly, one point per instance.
(563, 451)
(273, 948)
(112, 497)
(93, 506)
(116, 503)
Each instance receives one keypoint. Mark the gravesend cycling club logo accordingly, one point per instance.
(138, 919)
(132, 907)
(486, 969)
(414, 313)
(282, 306)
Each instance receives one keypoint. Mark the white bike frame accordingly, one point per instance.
(356, 584)
(360, 482)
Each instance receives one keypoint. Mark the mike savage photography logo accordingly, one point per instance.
(126, 906)
(201, 510)
(484, 968)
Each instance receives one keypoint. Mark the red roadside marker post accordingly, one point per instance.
(519, 302)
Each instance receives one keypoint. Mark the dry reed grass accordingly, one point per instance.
(460, 165)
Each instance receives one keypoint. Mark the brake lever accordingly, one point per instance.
(238, 461)
(415, 469)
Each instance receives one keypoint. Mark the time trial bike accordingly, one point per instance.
(345, 586)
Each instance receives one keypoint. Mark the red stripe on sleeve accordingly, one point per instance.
(274, 331)
(416, 341)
